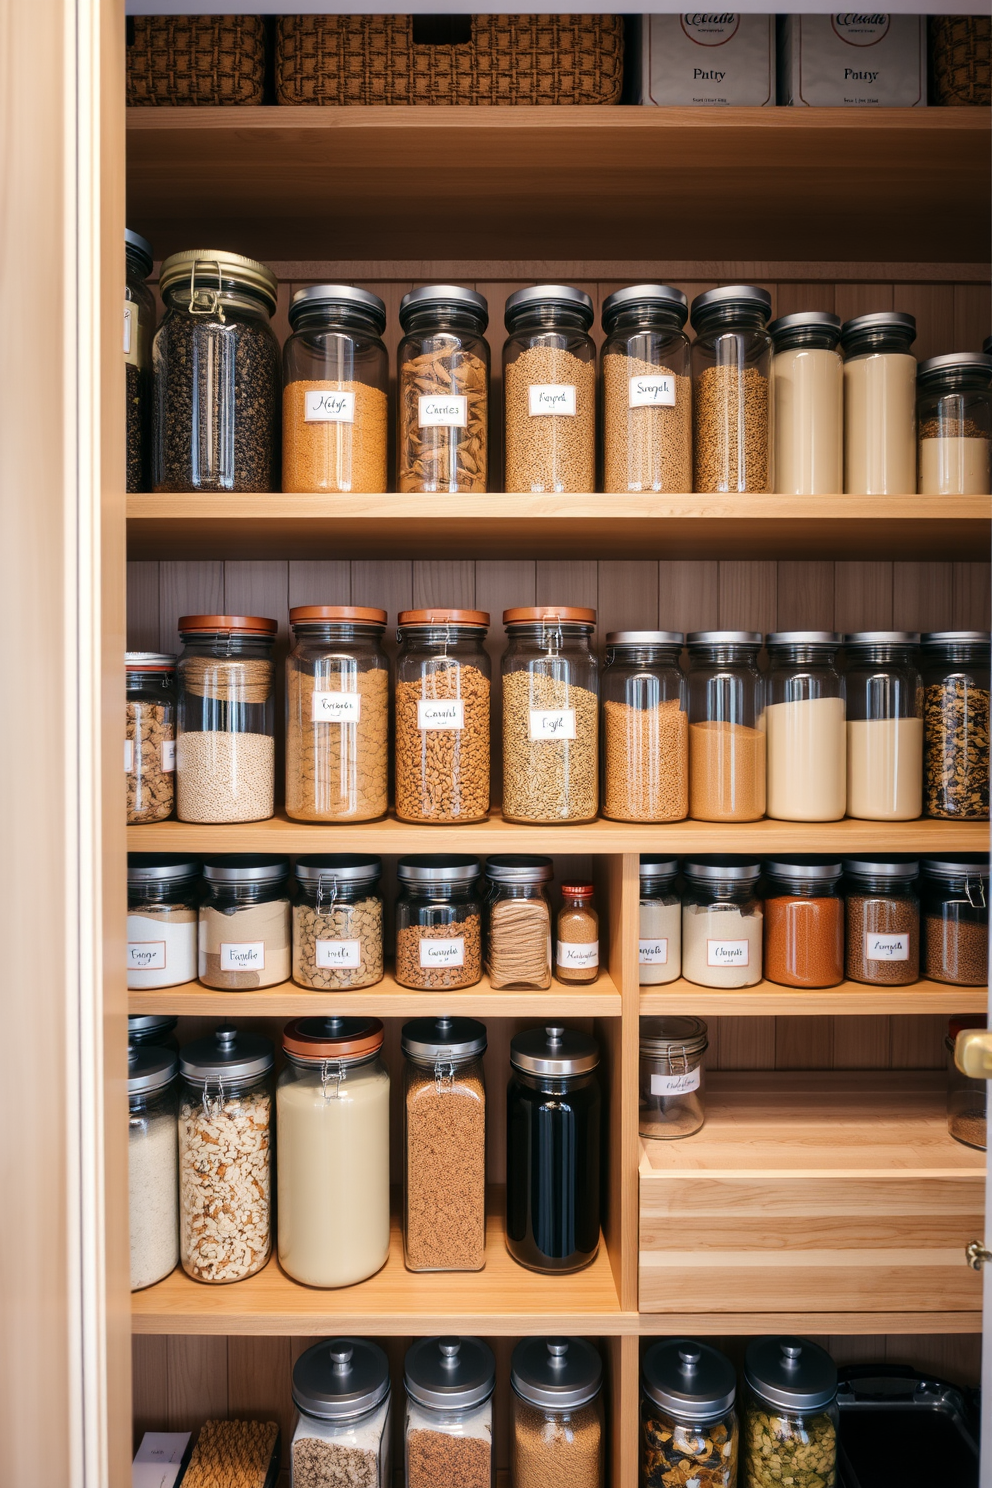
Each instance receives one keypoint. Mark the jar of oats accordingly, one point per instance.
(337, 922)
(647, 391)
(149, 735)
(549, 387)
(731, 360)
(438, 922)
(442, 441)
(645, 727)
(789, 1432)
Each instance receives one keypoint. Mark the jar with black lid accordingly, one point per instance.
(954, 424)
(660, 921)
(153, 1028)
(804, 727)
(438, 921)
(954, 895)
(518, 921)
(163, 898)
(884, 725)
(549, 388)
(337, 921)
(343, 1430)
(731, 358)
(879, 404)
(558, 1428)
(442, 441)
(956, 693)
(688, 1420)
(807, 414)
(882, 921)
(448, 1431)
(244, 935)
(645, 702)
(149, 735)
(153, 1182)
(726, 730)
(790, 1414)
(139, 328)
(647, 391)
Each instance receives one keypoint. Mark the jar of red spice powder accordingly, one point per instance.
(804, 923)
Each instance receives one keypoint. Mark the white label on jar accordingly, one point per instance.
(676, 1084)
(442, 952)
(652, 392)
(886, 947)
(728, 952)
(332, 953)
(130, 339)
(551, 397)
(128, 754)
(443, 413)
(578, 955)
(329, 407)
(448, 714)
(146, 955)
(248, 956)
(653, 952)
(335, 707)
(168, 756)
(552, 723)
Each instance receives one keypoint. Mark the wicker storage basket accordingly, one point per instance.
(196, 59)
(959, 54)
(509, 59)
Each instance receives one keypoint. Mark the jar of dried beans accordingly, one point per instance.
(883, 922)
(954, 894)
(448, 1432)
(879, 404)
(645, 727)
(721, 922)
(244, 923)
(139, 328)
(804, 923)
(443, 435)
(956, 724)
(438, 922)
(344, 1428)
(162, 901)
(954, 424)
(789, 1431)
(688, 1421)
(660, 921)
(149, 735)
(884, 726)
(647, 391)
(518, 921)
(807, 416)
(805, 727)
(967, 1095)
(577, 937)
(337, 921)
(549, 388)
(442, 716)
(152, 1173)
(671, 1076)
(731, 358)
(726, 726)
(558, 1429)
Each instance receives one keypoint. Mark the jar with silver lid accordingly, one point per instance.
(518, 921)
(442, 438)
(149, 735)
(956, 698)
(688, 1421)
(549, 388)
(726, 726)
(884, 725)
(438, 921)
(163, 899)
(730, 389)
(448, 1432)
(244, 935)
(153, 1028)
(343, 1427)
(954, 424)
(954, 894)
(790, 1414)
(659, 951)
(671, 1076)
(807, 414)
(337, 921)
(152, 1167)
(882, 917)
(879, 404)
(805, 734)
(647, 391)
(645, 705)
(558, 1428)
(722, 922)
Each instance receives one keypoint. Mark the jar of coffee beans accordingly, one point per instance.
(647, 391)
(954, 893)
(789, 1433)
(549, 384)
(883, 922)
(139, 327)
(731, 359)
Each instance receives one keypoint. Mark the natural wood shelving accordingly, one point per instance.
(849, 999)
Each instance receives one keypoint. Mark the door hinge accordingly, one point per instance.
(976, 1255)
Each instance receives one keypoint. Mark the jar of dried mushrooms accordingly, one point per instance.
(149, 735)
(688, 1421)
(443, 435)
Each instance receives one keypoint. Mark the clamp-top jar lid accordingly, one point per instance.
(160, 867)
(138, 248)
(823, 640)
(431, 868)
(149, 1068)
(303, 617)
(541, 614)
(713, 304)
(723, 638)
(338, 867)
(817, 329)
(523, 302)
(451, 1040)
(259, 868)
(340, 1378)
(449, 1373)
(882, 638)
(688, 1379)
(563, 1373)
(331, 297)
(553, 1051)
(956, 638)
(436, 296)
(881, 868)
(651, 867)
(228, 1054)
(476, 619)
(207, 272)
(256, 625)
(519, 868)
(882, 330)
(667, 1036)
(662, 300)
(318, 1040)
(791, 1373)
(149, 661)
(148, 1028)
(796, 870)
(719, 869)
(974, 865)
(645, 638)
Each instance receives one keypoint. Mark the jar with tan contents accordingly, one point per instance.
(438, 922)
(954, 424)
(149, 735)
(647, 391)
(518, 921)
(804, 727)
(726, 727)
(807, 416)
(549, 387)
(337, 922)
(879, 404)
(884, 726)
(244, 931)
(442, 442)
(558, 1432)
(730, 389)
(577, 939)
(955, 895)
(721, 922)
(448, 1430)
(645, 727)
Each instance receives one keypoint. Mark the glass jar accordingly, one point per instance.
(558, 1427)
(805, 727)
(448, 1432)
(550, 715)
(442, 443)
(438, 922)
(343, 1429)
(444, 1145)
(442, 716)
(162, 903)
(659, 951)
(335, 392)
(879, 404)
(337, 715)
(671, 1076)
(647, 391)
(553, 1143)
(225, 747)
(804, 923)
(149, 735)
(731, 359)
(645, 727)
(884, 726)
(153, 1028)
(225, 1155)
(883, 922)
(332, 1109)
(726, 726)
(549, 388)
(244, 923)
(790, 1414)
(956, 724)
(688, 1421)
(807, 413)
(139, 328)
(954, 424)
(577, 939)
(967, 1098)
(955, 903)
(152, 1167)
(518, 922)
(218, 376)
(337, 921)
(722, 923)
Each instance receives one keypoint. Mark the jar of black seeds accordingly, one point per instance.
(139, 326)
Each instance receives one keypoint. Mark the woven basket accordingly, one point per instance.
(506, 60)
(960, 57)
(196, 59)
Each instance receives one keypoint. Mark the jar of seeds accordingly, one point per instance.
(343, 1429)
(244, 923)
(139, 328)
(731, 358)
(954, 424)
(645, 727)
(671, 1076)
(438, 922)
(647, 391)
(558, 1431)
(955, 903)
(549, 387)
(882, 922)
(518, 921)
(789, 1432)
(688, 1421)
(956, 695)
(337, 922)
(442, 442)
(149, 735)
(448, 1432)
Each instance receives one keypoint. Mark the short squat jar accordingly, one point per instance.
(688, 1422)
(722, 922)
(647, 391)
(659, 951)
(790, 1414)
(954, 424)
(726, 726)
(558, 1427)
(805, 727)
(884, 726)
(807, 405)
(954, 894)
(671, 1076)
(438, 922)
(343, 1427)
(879, 404)
(956, 696)
(577, 936)
(163, 899)
(442, 442)
(152, 1169)
(731, 358)
(153, 1028)
(337, 921)
(883, 922)
(244, 935)
(645, 727)
(518, 922)
(448, 1431)
(549, 387)
(149, 736)
(804, 923)
(139, 328)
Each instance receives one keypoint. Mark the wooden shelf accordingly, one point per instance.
(854, 999)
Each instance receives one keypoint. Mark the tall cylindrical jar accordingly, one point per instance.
(726, 726)
(645, 727)
(956, 695)
(879, 404)
(558, 1426)
(790, 1424)
(807, 417)
(448, 1431)
(518, 922)
(804, 923)
(244, 934)
(162, 901)
(149, 735)
(670, 1077)
(660, 921)
(688, 1420)
(337, 921)
(955, 903)
(805, 727)
(139, 328)
(442, 440)
(549, 388)
(954, 424)
(647, 391)
(882, 921)
(731, 358)
(722, 923)
(438, 921)
(884, 726)
(152, 1164)
(343, 1430)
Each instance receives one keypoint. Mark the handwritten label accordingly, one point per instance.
(146, 955)
(443, 413)
(552, 723)
(168, 756)
(886, 947)
(583, 955)
(653, 952)
(676, 1084)
(335, 707)
(332, 953)
(128, 755)
(551, 397)
(329, 407)
(728, 952)
(652, 392)
(448, 714)
(434, 953)
(249, 955)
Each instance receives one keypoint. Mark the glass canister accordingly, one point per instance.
(337, 714)
(518, 921)
(660, 922)
(688, 1421)
(722, 922)
(332, 1108)
(884, 726)
(163, 900)
(550, 715)
(879, 404)
(647, 391)
(558, 1426)
(149, 735)
(954, 424)
(549, 388)
(244, 935)
(577, 937)
(967, 1098)
(335, 392)
(671, 1076)
(337, 921)
(139, 328)
(442, 442)
(807, 414)
(442, 716)
(444, 1145)
(343, 1429)
(883, 922)
(645, 727)
(438, 922)
(152, 1164)
(804, 923)
(731, 358)
(726, 726)
(805, 727)
(448, 1432)
(790, 1414)
(956, 724)
(153, 1028)
(225, 1155)
(954, 893)
(553, 1144)
(218, 377)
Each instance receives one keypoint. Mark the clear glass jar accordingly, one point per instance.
(448, 1431)
(152, 1164)
(442, 716)
(163, 900)
(225, 1155)
(967, 1098)
(956, 692)
(954, 424)
(688, 1421)
(671, 1076)
(807, 409)
(550, 715)
(647, 391)
(337, 921)
(549, 390)
(332, 1109)
(883, 922)
(954, 894)
(139, 328)
(438, 922)
(558, 1425)
(218, 376)
(805, 727)
(804, 923)
(726, 726)
(660, 922)
(722, 923)
(442, 442)
(645, 727)
(577, 938)
(879, 404)
(337, 715)
(149, 735)
(153, 1028)
(884, 726)
(335, 392)
(731, 359)
(343, 1432)
(244, 935)
(225, 744)
(791, 1419)
(518, 922)
(444, 1145)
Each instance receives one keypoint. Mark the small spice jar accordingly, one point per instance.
(244, 933)
(790, 1414)
(577, 940)
(671, 1076)
(149, 735)
(647, 391)
(225, 1155)
(332, 1106)
(645, 727)
(954, 424)
(448, 1432)
(139, 328)
(805, 727)
(443, 436)
(153, 1028)
(152, 1165)
(883, 922)
(726, 731)
(444, 1145)
(558, 1427)
(879, 404)
(549, 384)
(342, 1432)
(954, 894)
(804, 923)
(688, 1421)
(518, 921)
(335, 391)
(659, 951)
(162, 903)
(337, 921)
(956, 695)
(438, 922)
(884, 726)
(442, 716)
(967, 1098)
(807, 418)
(730, 400)
(722, 922)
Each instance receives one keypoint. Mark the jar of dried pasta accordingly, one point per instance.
(149, 735)
(443, 435)
(688, 1421)
(549, 387)
(438, 922)
(645, 727)
(337, 921)
(518, 921)
(647, 391)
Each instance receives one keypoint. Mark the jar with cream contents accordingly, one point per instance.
(804, 727)
(152, 1164)
(337, 921)
(244, 923)
(884, 726)
(660, 929)
(807, 388)
(162, 903)
(671, 1076)
(879, 404)
(954, 424)
(722, 922)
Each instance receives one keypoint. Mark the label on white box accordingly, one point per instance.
(129, 755)
(328, 407)
(330, 954)
(552, 723)
(551, 397)
(158, 1461)
(443, 413)
(449, 713)
(653, 952)
(728, 952)
(247, 955)
(146, 955)
(886, 947)
(434, 953)
(652, 392)
(676, 1084)
(578, 957)
(335, 707)
(168, 756)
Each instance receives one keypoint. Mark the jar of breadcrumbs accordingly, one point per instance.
(645, 727)
(647, 391)
(549, 385)
(438, 922)
(558, 1435)
(731, 364)
(442, 716)
(442, 442)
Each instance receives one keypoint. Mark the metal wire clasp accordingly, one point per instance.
(219, 1099)
(211, 298)
(444, 1076)
(332, 1073)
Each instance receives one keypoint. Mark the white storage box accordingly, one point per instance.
(703, 58)
(837, 61)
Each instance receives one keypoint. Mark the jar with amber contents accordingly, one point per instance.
(688, 1422)
(804, 924)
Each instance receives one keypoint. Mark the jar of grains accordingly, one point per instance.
(149, 735)
(153, 1028)
(438, 922)
(442, 443)
(332, 1107)
(721, 923)
(550, 715)
(558, 1430)
(660, 921)
(244, 923)
(218, 377)
(442, 716)
(343, 1430)
(790, 1414)
(807, 419)
(225, 1155)
(804, 923)
(152, 1165)
(726, 726)
(444, 1145)
(956, 724)
(883, 922)
(647, 391)
(954, 424)
(139, 328)
(549, 387)
(337, 921)
(954, 894)
(335, 391)
(730, 400)
(645, 727)
(688, 1421)
(671, 1076)
(577, 939)
(967, 1096)
(518, 921)
(225, 747)
(879, 404)
(805, 727)
(337, 715)
(448, 1433)
(884, 726)
(162, 902)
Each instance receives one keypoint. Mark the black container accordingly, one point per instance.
(903, 1429)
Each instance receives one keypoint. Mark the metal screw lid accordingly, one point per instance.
(955, 361)
(950, 637)
(557, 1372)
(723, 638)
(260, 868)
(444, 1038)
(661, 297)
(149, 661)
(139, 248)
(645, 638)
(337, 296)
(443, 294)
(536, 295)
(799, 868)
(970, 865)
(214, 267)
(522, 868)
(879, 320)
(651, 867)
(438, 868)
(340, 1378)
(729, 297)
(882, 638)
(338, 867)
(449, 1373)
(149, 1068)
(228, 1054)
(803, 320)
(155, 867)
(717, 869)
(878, 868)
(987, 346)
(792, 1373)
(828, 639)
(691, 1380)
(663, 1035)
(554, 1051)
(148, 1028)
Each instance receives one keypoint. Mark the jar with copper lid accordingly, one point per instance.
(149, 735)
(577, 943)
(442, 438)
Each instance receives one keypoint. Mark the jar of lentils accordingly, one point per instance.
(790, 1414)
(438, 922)
(731, 359)
(956, 696)
(149, 735)
(549, 387)
(337, 921)
(647, 391)
(645, 727)
(688, 1421)
(954, 894)
(883, 922)
(139, 327)
(443, 434)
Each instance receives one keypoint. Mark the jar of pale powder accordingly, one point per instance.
(879, 404)
(722, 923)
(162, 903)
(884, 726)
(807, 405)
(804, 727)
(245, 923)
(152, 1164)
(659, 951)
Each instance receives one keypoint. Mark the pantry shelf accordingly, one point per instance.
(854, 999)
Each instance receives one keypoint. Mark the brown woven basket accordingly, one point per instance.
(960, 49)
(503, 59)
(196, 59)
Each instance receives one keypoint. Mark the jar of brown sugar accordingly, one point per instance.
(883, 922)
(955, 902)
(448, 1432)
(577, 945)
(731, 361)
(558, 1431)
(645, 727)
(804, 923)
(647, 391)
(438, 922)
(442, 441)
(549, 384)
(726, 727)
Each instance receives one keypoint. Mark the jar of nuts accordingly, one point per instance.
(438, 922)
(688, 1421)
(731, 361)
(790, 1414)
(647, 391)
(549, 384)
(443, 436)
(337, 922)
(149, 735)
